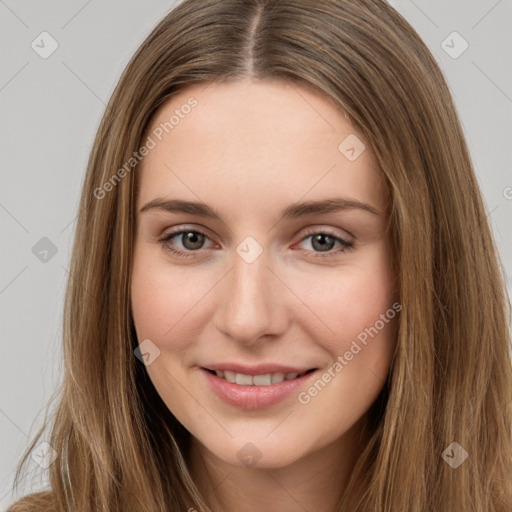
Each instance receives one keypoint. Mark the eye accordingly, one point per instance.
(192, 241)
(324, 241)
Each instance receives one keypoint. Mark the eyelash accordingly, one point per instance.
(345, 244)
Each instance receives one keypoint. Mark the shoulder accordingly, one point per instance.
(37, 502)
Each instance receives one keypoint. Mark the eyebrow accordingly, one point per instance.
(293, 211)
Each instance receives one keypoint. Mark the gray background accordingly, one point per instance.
(51, 108)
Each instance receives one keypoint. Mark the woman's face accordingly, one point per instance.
(274, 274)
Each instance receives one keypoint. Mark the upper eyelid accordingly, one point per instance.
(180, 231)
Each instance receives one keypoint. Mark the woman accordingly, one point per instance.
(285, 294)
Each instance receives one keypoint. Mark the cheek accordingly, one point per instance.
(165, 317)
(360, 309)
(155, 307)
(351, 299)
(165, 302)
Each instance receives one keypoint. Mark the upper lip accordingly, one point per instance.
(260, 369)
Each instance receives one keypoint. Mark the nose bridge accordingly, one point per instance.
(250, 307)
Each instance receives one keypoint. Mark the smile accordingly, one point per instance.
(257, 391)
(256, 380)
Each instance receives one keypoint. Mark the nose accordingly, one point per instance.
(252, 303)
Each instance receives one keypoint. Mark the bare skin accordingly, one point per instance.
(249, 149)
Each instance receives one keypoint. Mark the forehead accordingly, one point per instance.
(265, 138)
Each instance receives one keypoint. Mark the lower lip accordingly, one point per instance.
(254, 397)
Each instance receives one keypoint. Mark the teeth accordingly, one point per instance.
(243, 380)
(229, 376)
(262, 380)
(277, 377)
(256, 380)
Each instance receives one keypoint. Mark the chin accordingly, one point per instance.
(258, 452)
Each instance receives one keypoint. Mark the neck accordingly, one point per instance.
(317, 481)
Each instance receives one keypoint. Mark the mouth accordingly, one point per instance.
(259, 390)
(266, 379)
(256, 389)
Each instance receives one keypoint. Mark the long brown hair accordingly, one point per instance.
(118, 446)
